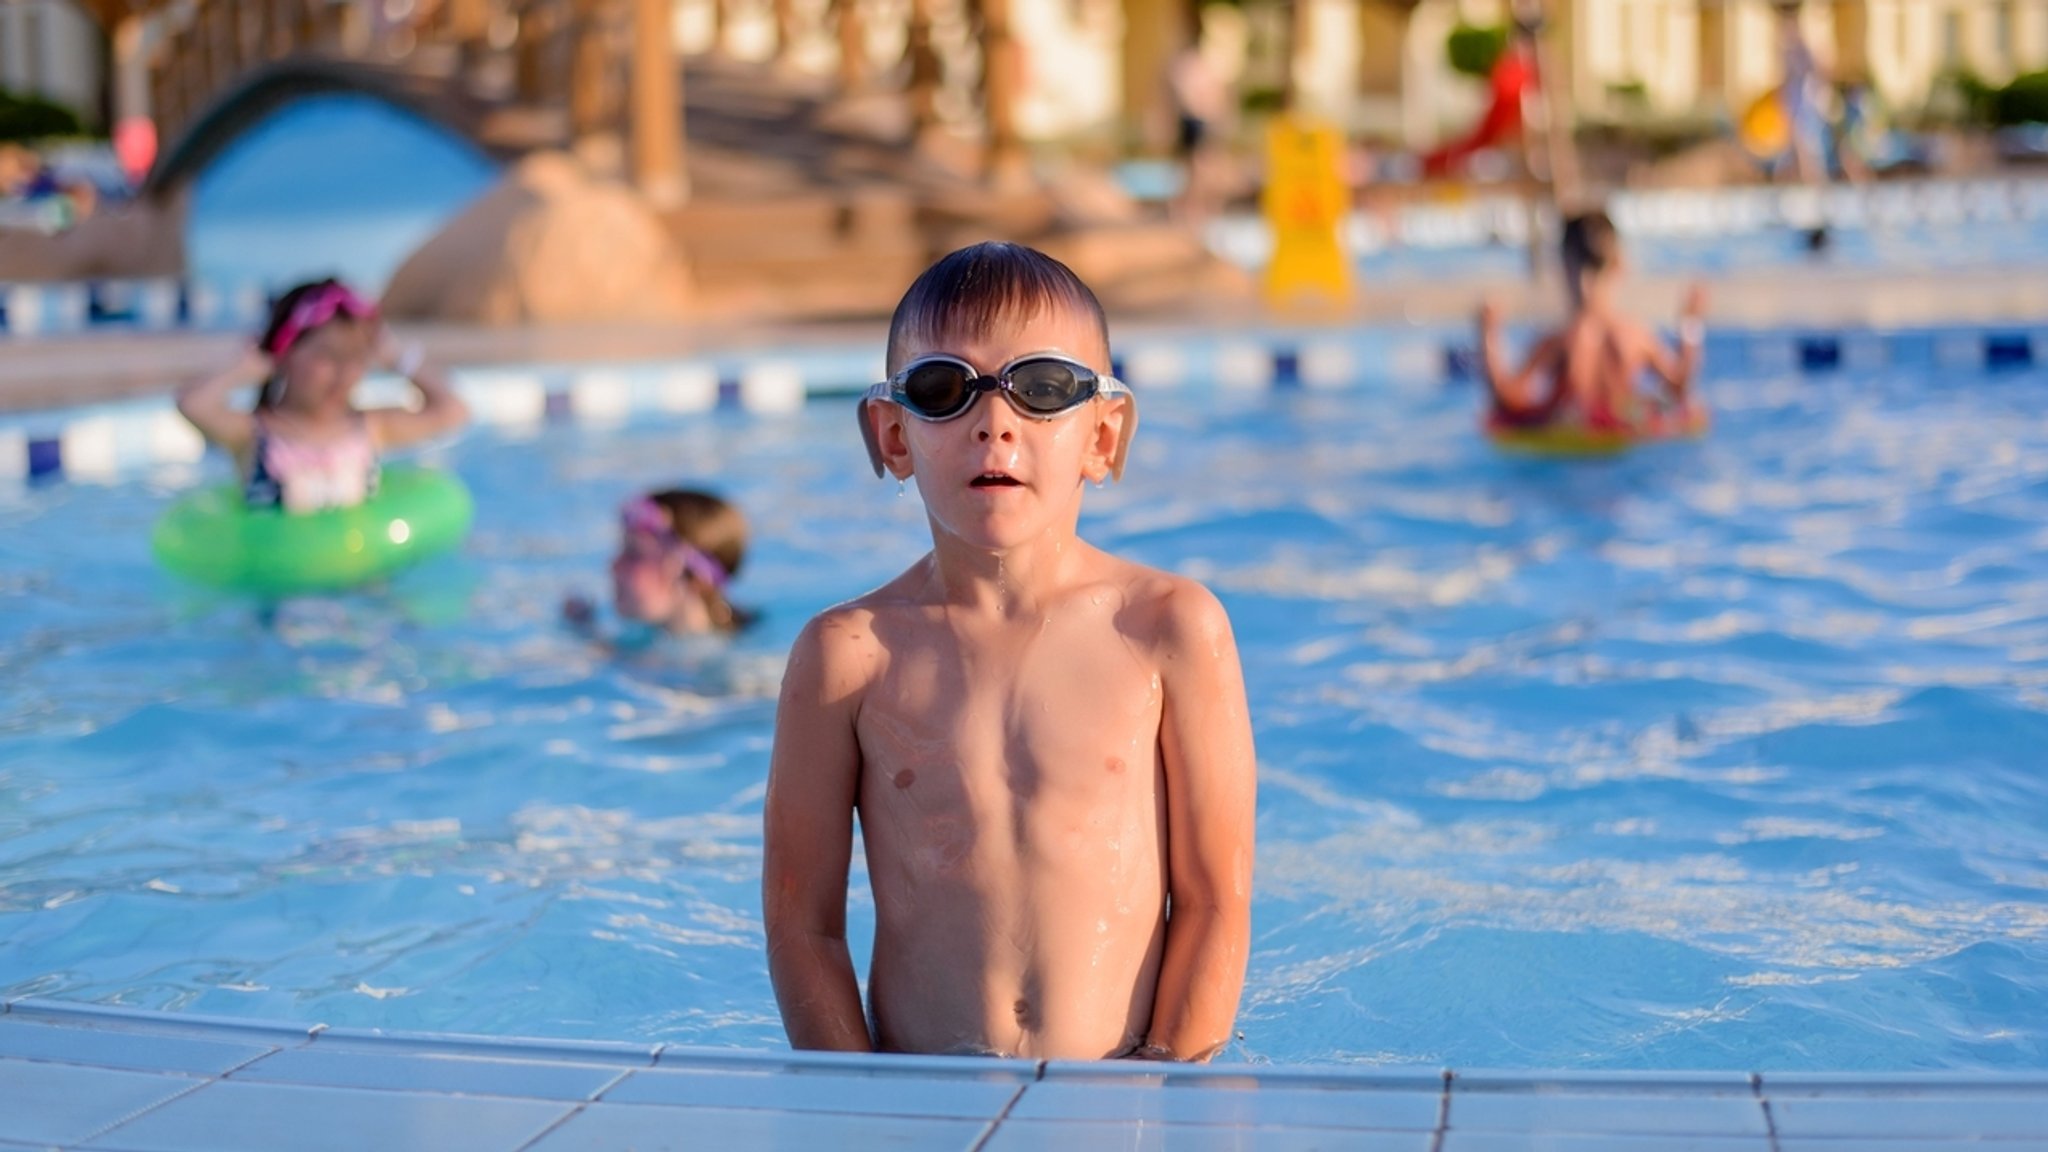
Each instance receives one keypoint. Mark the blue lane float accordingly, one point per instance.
(212, 537)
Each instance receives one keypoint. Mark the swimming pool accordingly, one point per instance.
(1721, 755)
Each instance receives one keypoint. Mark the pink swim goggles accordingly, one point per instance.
(643, 516)
(318, 307)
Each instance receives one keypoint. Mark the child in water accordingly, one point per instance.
(305, 446)
(1592, 363)
(678, 549)
(1047, 747)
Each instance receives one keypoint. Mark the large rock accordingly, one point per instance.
(549, 244)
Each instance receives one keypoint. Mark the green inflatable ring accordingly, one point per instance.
(211, 536)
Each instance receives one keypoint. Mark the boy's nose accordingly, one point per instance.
(995, 418)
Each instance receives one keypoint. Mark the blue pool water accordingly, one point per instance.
(1721, 755)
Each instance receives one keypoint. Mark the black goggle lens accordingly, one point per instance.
(1046, 387)
(937, 389)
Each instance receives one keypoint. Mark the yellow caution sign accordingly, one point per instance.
(1305, 201)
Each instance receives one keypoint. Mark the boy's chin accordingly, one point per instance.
(999, 537)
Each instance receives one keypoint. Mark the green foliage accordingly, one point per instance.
(1474, 50)
(1264, 99)
(2024, 101)
(34, 118)
(1979, 99)
(1633, 96)
(1964, 99)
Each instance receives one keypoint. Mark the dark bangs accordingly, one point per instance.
(975, 290)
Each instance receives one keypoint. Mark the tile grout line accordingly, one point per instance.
(1756, 1087)
(555, 1126)
(572, 1113)
(1443, 1115)
(989, 1133)
(139, 1113)
(224, 1073)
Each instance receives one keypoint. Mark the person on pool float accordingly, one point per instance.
(1592, 363)
(305, 446)
(678, 550)
(1047, 747)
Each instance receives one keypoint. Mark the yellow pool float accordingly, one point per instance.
(1569, 438)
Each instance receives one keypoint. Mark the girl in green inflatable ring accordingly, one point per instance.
(305, 446)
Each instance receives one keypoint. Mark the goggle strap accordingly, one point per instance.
(875, 392)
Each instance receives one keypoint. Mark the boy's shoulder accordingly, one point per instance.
(1169, 609)
(1158, 606)
(846, 630)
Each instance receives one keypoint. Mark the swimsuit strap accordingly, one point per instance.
(262, 489)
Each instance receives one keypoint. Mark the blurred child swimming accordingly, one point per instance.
(678, 550)
(1047, 747)
(1591, 364)
(305, 446)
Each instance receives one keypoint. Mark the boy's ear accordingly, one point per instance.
(886, 437)
(1116, 419)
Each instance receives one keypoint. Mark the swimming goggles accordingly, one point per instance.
(1041, 385)
(318, 307)
(644, 516)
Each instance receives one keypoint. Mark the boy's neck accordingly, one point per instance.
(1012, 582)
(1598, 297)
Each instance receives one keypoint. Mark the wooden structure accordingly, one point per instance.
(512, 74)
(600, 76)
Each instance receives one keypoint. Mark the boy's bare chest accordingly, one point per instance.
(1021, 714)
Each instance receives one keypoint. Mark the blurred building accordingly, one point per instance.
(49, 48)
(1665, 57)
(1679, 54)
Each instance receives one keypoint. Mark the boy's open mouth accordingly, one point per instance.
(995, 480)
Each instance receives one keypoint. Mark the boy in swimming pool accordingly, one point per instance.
(1047, 747)
(1592, 363)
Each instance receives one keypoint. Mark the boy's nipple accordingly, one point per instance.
(905, 778)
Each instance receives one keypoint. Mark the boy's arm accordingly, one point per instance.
(1211, 781)
(441, 411)
(1677, 371)
(807, 837)
(204, 402)
(1510, 386)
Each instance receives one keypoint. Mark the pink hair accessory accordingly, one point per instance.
(643, 515)
(318, 307)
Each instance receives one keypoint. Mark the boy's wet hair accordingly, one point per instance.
(1590, 243)
(974, 290)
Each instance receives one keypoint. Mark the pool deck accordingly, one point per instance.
(106, 1079)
